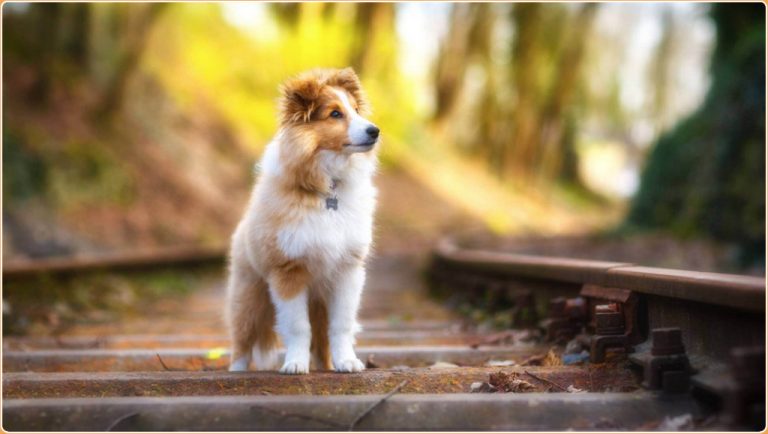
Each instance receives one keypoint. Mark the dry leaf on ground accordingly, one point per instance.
(505, 382)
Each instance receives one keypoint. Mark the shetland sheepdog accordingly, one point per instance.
(297, 259)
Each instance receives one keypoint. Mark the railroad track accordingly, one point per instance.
(429, 369)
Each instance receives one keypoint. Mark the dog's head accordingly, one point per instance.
(328, 105)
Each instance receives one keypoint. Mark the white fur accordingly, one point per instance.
(358, 136)
(293, 327)
(328, 235)
(342, 311)
(270, 161)
(327, 241)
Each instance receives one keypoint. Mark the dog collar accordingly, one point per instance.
(332, 201)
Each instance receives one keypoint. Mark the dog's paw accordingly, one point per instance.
(240, 365)
(349, 365)
(293, 368)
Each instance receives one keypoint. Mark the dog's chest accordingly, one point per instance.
(341, 225)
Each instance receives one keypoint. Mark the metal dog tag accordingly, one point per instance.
(331, 203)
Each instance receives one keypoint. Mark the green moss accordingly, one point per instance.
(89, 173)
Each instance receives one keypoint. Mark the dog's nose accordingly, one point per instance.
(372, 131)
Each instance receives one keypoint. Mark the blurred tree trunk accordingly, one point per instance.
(61, 44)
(286, 13)
(137, 36)
(452, 59)
(659, 72)
(493, 133)
(520, 153)
(47, 18)
(372, 22)
(76, 27)
(558, 111)
(532, 134)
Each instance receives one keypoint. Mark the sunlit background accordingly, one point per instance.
(131, 126)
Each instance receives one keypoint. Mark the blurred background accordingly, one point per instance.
(622, 131)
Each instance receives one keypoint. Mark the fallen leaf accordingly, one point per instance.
(369, 363)
(505, 382)
(551, 359)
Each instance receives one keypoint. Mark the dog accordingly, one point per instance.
(297, 259)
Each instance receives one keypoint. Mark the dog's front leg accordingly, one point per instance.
(342, 312)
(292, 317)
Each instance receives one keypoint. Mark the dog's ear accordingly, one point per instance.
(347, 79)
(299, 99)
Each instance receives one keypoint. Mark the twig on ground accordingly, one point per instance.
(298, 416)
(547, 381)
(162, 362)
(376, 404)
(117, 422)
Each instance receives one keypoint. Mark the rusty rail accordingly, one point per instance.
(171, 256)
(687, 331)
(581, 333)
(735, 291)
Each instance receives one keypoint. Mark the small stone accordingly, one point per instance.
(684, 422)
(501, 363)
(572, 359)
(481, 387)
(443, 365)
(577, 344)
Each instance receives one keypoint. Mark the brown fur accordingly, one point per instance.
(302, 95)
(320, 347)
(305, 116)
(306, 106)
(290, 279)
(250, 313)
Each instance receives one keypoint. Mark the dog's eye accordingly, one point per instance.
(336, 114)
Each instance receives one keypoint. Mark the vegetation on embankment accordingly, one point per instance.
(706, 177)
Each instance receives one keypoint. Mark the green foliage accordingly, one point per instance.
(24, 171)
(202, 59)
(79, 298)
(706, 176)
(88, 174)
(77, 173)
